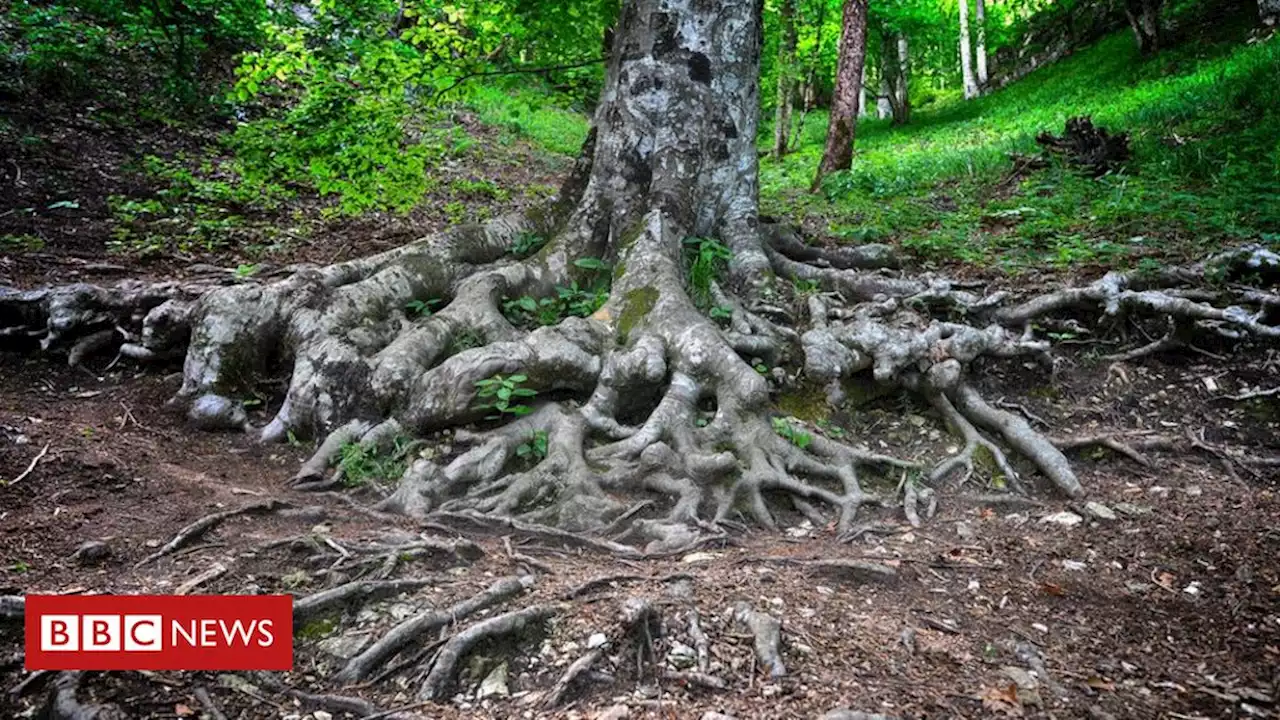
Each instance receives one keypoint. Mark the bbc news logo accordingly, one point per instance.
(159, 632)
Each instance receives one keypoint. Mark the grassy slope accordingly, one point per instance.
(1205, 121)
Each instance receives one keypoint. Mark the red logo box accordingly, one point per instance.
(159, 632)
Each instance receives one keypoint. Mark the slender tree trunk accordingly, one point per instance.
(863, 110)
(980, 17)
(884, 99)
(902, 95)
(838, 154)
(1269, 12)
(1144, 19)
(966, 59)
(786, 79)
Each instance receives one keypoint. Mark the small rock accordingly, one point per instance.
(1074, 565)
(697, 557)
(1192, 589)
(1099, 511)
(617, 712)
(1193, 491)
(596, 640)
(1132, 510)
(322, 715)
(91, 552)
(844, 714)
(1040, 628)
(1026, 685)
(495, 683)
(681, 656)
(965, 531)
(710, 715)
(1064, 518)
(344, 647)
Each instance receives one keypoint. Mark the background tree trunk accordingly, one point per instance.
(838, 153)
(1144, 19)
(902, 93)
(980, 17)
(1269, 12)
(863, 110)
(884, 101)
(786, 79)
(966, 55)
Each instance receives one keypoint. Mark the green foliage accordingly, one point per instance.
(535, 448)
(705, 259)
(1203, 118)
(361, 464)
(505, 390)
(422, 308)
(27, 243)
(805, 288)
(527, 243)
(792, 431)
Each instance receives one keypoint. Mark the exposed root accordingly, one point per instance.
(767, 633)
(473, 522)
(198, 528)
(350, 595)
(12, 607)
(409, 631)
(64, 703)
(576, 670)
(457, 648)
(210, 708)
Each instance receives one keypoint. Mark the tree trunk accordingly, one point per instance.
(1144, 19)
(884, 99)
(863, 110)
(786, 79)
(1269, 12)
(980, 18)
(838, 153)
(966, 59)
(901, 91)
(658, 412)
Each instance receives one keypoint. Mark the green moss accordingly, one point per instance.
(317, 629)
(861, 389)
(636, 306)
(807, 402)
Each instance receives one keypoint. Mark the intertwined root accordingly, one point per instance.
(650, 422)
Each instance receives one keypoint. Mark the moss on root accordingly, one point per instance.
(636, 306)
(806, 402)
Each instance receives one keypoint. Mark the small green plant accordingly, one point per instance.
(505, 391)
(465, 339)
(761, 368)
(706, 259)
(29, 243)
(721, 312)
(361, 463)
(789, 429)
(805, 288)
(527, 243)
(20, 567)
(526, 311)
(535, 448)
(422, 308)
(244, 272)
(830, 430)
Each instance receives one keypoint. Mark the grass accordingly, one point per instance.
(529, 112)
(1204, 120)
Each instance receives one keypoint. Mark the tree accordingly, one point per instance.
(1269, 12)
(980, 19)
(966, 61)
(897, 63)
(843, 122)
(1144, 19)
(786, 79)
(616, 361)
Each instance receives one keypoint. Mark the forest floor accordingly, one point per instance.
(1160, 600)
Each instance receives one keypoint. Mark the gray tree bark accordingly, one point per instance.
(966, 54)
(1269, 12)
(901, 85)
(786, 79)
(980, 48)
(1144, 20)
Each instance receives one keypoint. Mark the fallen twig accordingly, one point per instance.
(32, 466)
(767, 632)
(359, 592)
(217, 571)
(207, 523)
